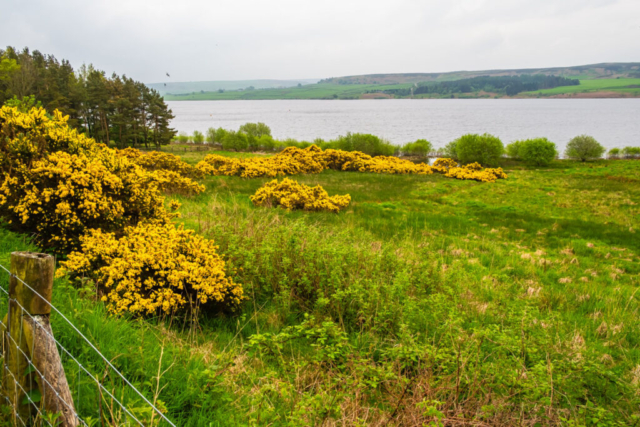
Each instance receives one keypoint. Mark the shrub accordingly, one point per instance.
(236, 141)
(255, 129)
(583, 148)
(365, 143)
(292, 195)
(293, 161)
(267, 143)
(154, 269)
(614, 153)
(631, 152)
(211, 136)
(170, 173)
(158, 160)
(513, 149)
(220, 134)
(420, 148)
(183, 138)
(485, 149)
(538, 151)
(58, 184)
(450, 150)
(198, 137)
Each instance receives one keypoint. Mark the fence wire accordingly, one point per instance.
(81, 367)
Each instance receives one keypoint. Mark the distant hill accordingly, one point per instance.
(183, 88)
(607, 70)
(606, 80)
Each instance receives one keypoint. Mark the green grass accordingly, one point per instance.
(480, 299)
(355, 91)
(513, 303)
(315, 91)
(608, 85)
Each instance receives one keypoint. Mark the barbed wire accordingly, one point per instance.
(113, 368)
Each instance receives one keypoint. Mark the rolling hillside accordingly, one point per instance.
(594, 71)
(606, 80)
(177, 88)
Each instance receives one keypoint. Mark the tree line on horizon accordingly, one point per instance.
(508, 85)
(114, 110)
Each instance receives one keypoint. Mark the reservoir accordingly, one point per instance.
(613, 122)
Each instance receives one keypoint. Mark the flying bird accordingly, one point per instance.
(168, 75)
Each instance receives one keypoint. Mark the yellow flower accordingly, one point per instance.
(292, 195)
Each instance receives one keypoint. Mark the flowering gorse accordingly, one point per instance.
(106, 207)
(292, 161)
(292, 195)
(154, 268)
(170, 172)
(57, 184)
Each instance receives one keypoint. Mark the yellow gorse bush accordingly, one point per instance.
(292, 195)
(170, 172)
(154, 268)
(106, 208)
(57, 183)
(158, 160)
(292, 161)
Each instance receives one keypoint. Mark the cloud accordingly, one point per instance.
(245, 39)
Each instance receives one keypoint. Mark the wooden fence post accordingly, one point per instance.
(33, 335)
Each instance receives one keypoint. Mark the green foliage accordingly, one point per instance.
(508, 85)
(114, 108)
(235, 141)
(25, 104)
(485, 149)
(583, 148)
(183, 138)
(513, 149)
(537, 151)
(198, 137)
(631, 152)
(420, 148)
(255, 129)
(450, 150)
(267, 143)
(614, 153)
(506, 304)
(8, 67)
(220, 134)
(211, 136)
(366, 143)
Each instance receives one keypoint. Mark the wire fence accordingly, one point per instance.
(103, 395)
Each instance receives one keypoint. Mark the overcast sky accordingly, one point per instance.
(281, 39)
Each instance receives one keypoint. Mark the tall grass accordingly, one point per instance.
(429, 300)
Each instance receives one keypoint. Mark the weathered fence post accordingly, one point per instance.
(30, 334)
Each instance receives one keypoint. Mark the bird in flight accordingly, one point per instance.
(168, 75)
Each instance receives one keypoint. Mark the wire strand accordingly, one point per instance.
(15, 381)
(75, 360)
(15, 411)
(92, 346)
(43, 377)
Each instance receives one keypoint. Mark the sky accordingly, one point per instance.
(196, 40)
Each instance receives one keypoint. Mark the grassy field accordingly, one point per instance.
(315, 91)
(628, 86)
(429, 301)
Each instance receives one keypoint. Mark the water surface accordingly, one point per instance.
(613, 122)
